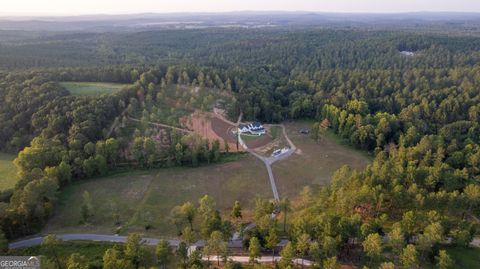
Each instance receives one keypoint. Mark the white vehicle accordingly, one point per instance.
(278, 152)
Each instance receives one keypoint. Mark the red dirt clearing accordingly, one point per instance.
(223, 129)
(210, 127)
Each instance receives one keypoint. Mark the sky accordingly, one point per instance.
(81, 7)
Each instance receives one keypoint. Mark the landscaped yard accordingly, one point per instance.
(7, 171)
(92, 88)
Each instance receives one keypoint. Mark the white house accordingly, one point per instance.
(255, 128)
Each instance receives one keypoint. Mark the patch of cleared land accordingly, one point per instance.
(209, 126)
(273, 140)
(148, 197)
(92, 250)
(7, 171)
(316, 163)
(256, 142)
(92, 88)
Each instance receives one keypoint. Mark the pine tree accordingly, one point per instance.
(254, 249)
(163, 252)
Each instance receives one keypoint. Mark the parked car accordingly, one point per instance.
(304, 131)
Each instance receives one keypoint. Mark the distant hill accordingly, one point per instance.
(249, 19)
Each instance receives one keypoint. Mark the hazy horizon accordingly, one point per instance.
(125, 7)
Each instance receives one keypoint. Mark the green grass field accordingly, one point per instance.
(316, 163)
(148, 196)
(7, 171)
(91, 250)
(142, 197)
(92, 88)
(465, 258)
(275, 131)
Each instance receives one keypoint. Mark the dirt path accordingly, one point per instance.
(220, 116)
(112, 127)
(290, 143)
(115, 123)
(239, 119)
(262, 259)
(163, 125)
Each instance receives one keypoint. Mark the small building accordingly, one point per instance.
(255, 128)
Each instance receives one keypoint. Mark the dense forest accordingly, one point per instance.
(419, 114)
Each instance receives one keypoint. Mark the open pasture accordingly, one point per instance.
(92, 88)
(316, 162)
(7, 171)
(147, 197)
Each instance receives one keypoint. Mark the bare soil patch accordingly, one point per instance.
(223, 129)
(208, 125)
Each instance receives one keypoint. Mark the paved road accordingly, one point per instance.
(89, 237)
(34, 241)
(148, 241)
(262, 259)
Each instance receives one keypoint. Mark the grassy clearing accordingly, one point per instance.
(248, 138)
(92, 250)
(7, 171)
(148, 197)
(465, 258)
(92, 88)
(317, 162)
(330, 135)
(275, 131)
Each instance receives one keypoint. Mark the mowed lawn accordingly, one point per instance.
(7, 171)
(92, 88)
(148, 197)
(316, 163)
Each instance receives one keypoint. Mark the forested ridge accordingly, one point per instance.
(419, 114)
(302, 49)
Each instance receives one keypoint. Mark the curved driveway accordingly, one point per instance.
(268, 161)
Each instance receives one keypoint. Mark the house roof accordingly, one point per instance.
(252, 126)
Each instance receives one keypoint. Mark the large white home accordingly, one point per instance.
(255, 128)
